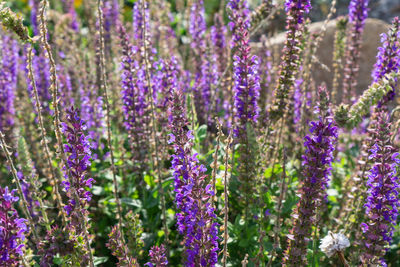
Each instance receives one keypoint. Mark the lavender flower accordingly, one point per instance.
(295, 9)
(134, 92)
(8, 81)
(127, 252)
(246, 91)
(70, 10)
(93, 114)
(316, 170)
(196, 218)
(12, 229)
(34, 5)
(246, 76)
(203, 77)
(138, 20)
(119, 249)
(218, 39)
(157, 257)
(56, 241)
(358, 13)
(65, 87)
(382, 202)
(79, 155)
(41, 67)
(298, 103)
(388, 58)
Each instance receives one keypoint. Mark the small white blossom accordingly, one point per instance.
(333, 243)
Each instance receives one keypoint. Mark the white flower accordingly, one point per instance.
(333, 243)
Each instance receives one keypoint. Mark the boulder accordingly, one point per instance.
(371, 41)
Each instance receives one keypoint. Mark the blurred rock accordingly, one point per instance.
(371, 41)
(386, 10)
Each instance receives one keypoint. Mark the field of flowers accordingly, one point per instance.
(156, 133)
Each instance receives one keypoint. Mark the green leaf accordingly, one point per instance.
(132, 202)
(99, 260)
(201, 133)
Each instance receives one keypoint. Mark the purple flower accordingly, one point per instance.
(358, 13)
(58, 241)
(138, 20)
(41, 68)
(157, 257)
(78, 162)
(34, 5)
(382, 203)
(298, 102)
(134, 93)
(8, 81)
(388, 58)
(245, 69)
(296, 9)
(196, 217)
(65, 87)
(12, 229)
(316, 164)
(218, 39)
(70, 10)
(93, 114)
(119, 249)
(202, 64)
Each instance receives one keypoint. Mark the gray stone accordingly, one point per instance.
(371, 41)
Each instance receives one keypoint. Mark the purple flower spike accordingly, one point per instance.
(316, 164)
(296, 11)
(203, 72)
(78, 162)
(358, 13)
(388, 58)
(196, 217)
(8, 81)
(382, 201)
(245, 68)
(157, 257)
(12, 229)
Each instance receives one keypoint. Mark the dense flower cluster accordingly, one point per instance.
(56, 242)
(157, 257)
(296, 10)
(93, 114)
(388, 58)
(297, 102)
(70, 10)
(12, 229)
(382, 202)
(138, 21)
(119, 249)
(171, 83)
(196, 217)
(134, 93)
(358, 13)
(8, 80)
(316, 164)
(34, 5)
(245, 68)
(203, 69)
(79, 155)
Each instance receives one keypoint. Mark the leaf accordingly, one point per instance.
(131, 202)
(99, 260)
(201, 133)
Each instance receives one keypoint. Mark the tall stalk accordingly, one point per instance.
(103, 84)
(57, 125)
(153, 119)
